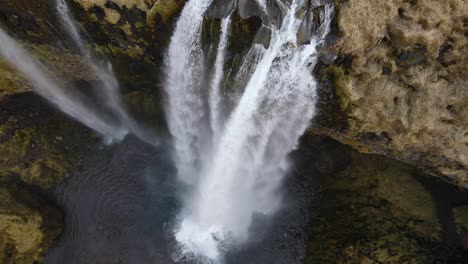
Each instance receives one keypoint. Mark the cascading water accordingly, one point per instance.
(239, 175)
(110, 93)
(215, 89)
(186, 111)
(69, 101)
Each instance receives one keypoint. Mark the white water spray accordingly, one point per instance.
(110, 91)
(216, 109)
(69, 101)
(241, 175)
(186, 110)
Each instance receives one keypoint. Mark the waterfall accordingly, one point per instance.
(109, 91)
(215, 91)
(69, 101)
(239, 176)
(186, 111)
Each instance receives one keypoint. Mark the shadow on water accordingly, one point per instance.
(121, 203)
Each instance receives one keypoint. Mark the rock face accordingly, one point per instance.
(400, 83)
(372, 209)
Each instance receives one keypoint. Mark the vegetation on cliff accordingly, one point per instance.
(400, 82)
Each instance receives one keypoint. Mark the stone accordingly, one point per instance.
(249, 8)
(221, 8)
(263, 36)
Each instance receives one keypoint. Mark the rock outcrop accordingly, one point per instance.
(400, 83)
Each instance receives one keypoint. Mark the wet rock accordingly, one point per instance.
(311, 22)
(326, 56)
(249, 8)
(263, 36)
(221, 8)
(276, 11)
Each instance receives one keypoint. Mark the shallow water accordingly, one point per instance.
(121, 203)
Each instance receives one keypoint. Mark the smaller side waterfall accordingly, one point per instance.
(109, 91)
(215, 91)
(69, 101)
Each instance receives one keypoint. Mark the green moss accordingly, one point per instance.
(6, 85)
(17, 147)
(339, 79)
(166, 9)
(139, 25)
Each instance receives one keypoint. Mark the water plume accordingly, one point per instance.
(70, 101)
(102, 68)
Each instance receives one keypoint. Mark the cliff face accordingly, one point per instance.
(400, 83)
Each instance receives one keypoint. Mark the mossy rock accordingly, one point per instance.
(376, 210)
(38, 144)
(28, 224)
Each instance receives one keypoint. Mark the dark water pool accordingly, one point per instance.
(121, 204)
